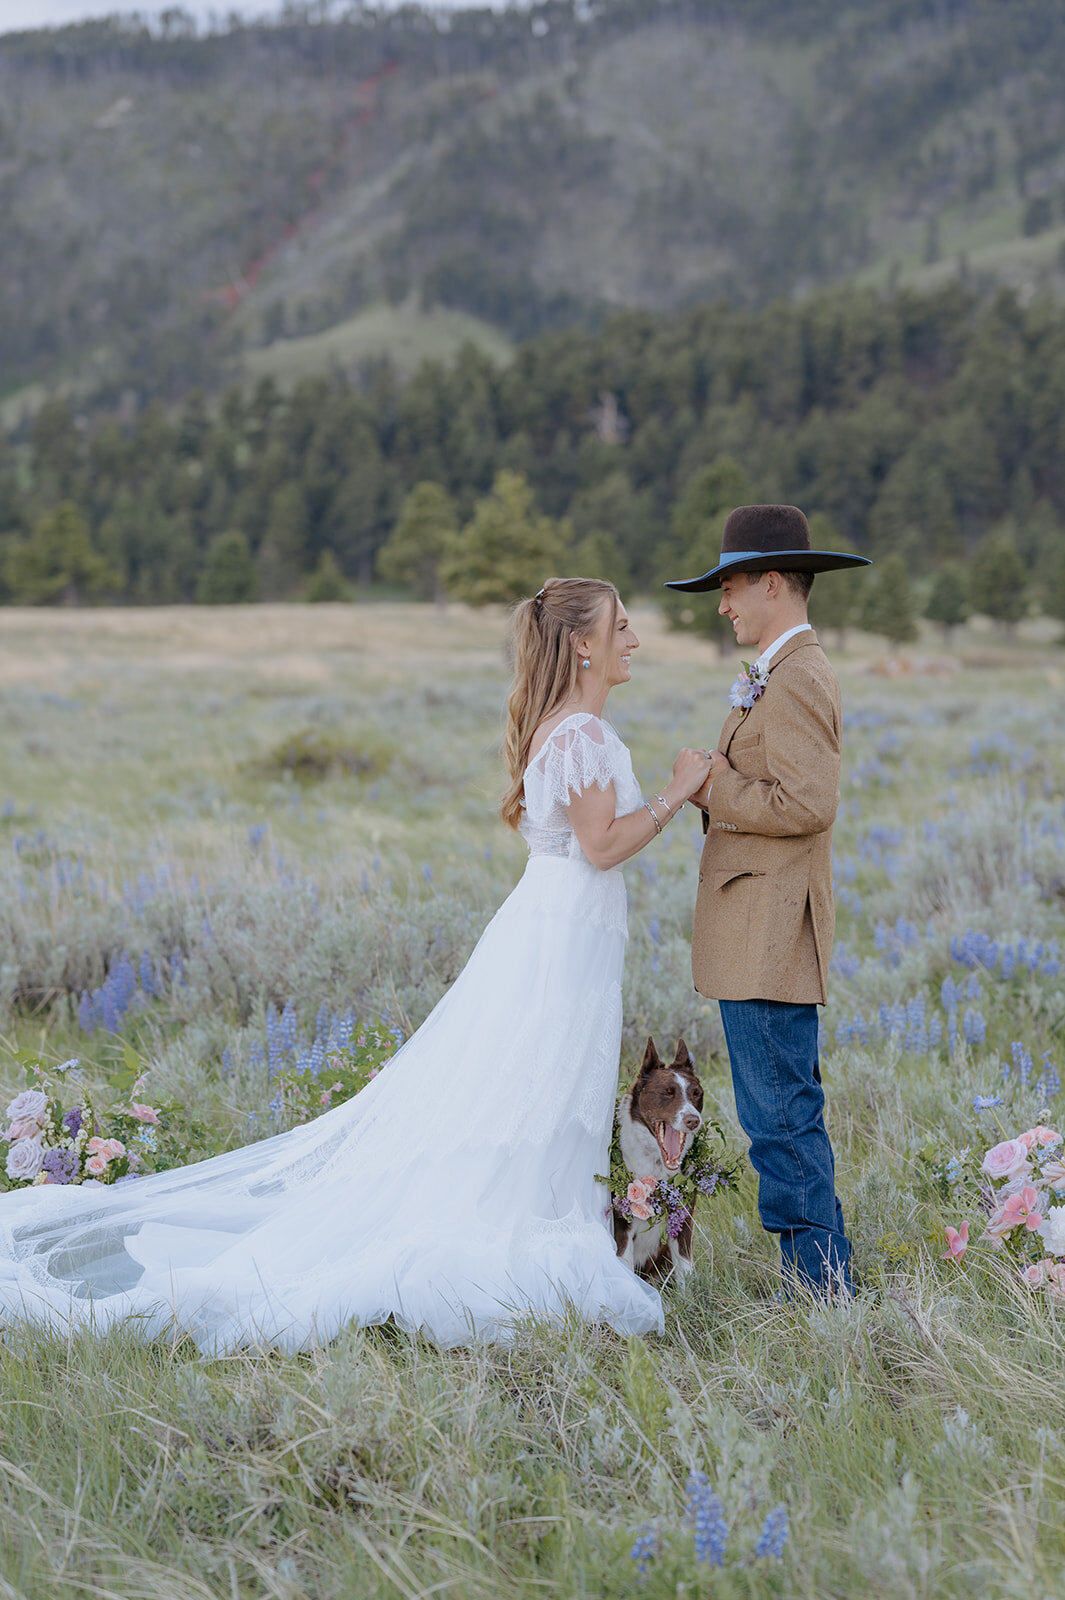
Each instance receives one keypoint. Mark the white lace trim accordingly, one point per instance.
(583, 752)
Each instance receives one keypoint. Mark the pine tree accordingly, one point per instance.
(836, 597)
(228, 578)
(1053, 587)
(697, 526)
(326, 583)
(890, 608)
(998, 579)
(279, 559)
(506, 551)
(58, 563)
(420, 541)
(948, 604)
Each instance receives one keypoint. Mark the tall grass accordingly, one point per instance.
(916, 1436)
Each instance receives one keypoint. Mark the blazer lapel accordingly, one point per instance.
(736, 718)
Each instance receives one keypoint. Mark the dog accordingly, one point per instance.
(658, 1119)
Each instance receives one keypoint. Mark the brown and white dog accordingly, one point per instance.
(657, 1120)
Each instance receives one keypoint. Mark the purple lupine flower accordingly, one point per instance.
(73, 1120)
(60, 1165)
(708, 1182)
(706, 1515)
(774, 1534)
(644, 1548)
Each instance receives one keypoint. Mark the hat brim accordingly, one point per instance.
(775, 561)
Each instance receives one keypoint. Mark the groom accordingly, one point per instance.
(764, 917)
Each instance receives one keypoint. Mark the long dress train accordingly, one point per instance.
(455, 1193)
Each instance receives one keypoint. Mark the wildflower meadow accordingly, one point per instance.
(244, 851)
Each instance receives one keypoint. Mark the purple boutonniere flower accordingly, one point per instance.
(748, 687)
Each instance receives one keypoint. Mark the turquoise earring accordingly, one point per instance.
(586, 664)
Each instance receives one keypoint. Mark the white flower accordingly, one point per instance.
(68, 1066)
(24, 1160)
(30, 1105)
(1052, 1230)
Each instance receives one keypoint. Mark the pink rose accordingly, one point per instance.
(96, 1164)
(29, 1106)
(1005, 1160)
(1056, 1280)
(1041, 1136)
(957, 1242)
(1054, 1172)
(1035, 1276)
(143, 1113)
(637, 1194)
(24, 1128)
(95, 1146)
(113, 1148)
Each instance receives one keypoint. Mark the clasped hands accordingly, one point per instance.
(699, 769)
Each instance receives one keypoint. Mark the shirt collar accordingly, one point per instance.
(771, 649)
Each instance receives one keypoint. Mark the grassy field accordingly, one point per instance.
(297, 804)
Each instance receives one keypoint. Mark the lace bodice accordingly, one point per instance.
(582, 750)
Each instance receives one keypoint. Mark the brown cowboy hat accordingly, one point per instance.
(767, 539)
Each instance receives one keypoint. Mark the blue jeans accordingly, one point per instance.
(773, 1050)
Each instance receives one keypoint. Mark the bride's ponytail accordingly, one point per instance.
(542, 635)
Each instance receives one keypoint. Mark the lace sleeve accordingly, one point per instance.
(572, 759)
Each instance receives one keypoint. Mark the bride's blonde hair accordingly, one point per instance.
(543, 632)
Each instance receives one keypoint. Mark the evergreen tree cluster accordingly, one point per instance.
(924, 428)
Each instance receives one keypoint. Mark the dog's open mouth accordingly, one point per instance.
(671, 1144)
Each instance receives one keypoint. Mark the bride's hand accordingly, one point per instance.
(691, 770)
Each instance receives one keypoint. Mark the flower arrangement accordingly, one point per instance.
(1019, 1184)
(49, 1142)
(701, 1172)
(748, 686)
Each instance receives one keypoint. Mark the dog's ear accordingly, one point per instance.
(683, 1061)
(651, 1057)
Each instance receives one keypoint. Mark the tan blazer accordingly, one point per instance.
(764, 916)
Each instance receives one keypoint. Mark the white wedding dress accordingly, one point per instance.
(455, 1193)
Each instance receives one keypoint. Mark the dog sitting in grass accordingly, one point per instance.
(659, 1165)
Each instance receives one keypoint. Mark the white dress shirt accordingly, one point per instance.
(771, 649)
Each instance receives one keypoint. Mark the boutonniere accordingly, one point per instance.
(748, 687)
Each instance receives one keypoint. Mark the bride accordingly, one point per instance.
(456, 1192)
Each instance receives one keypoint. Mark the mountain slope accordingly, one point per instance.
(170, 202)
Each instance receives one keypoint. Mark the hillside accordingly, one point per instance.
(172, 203)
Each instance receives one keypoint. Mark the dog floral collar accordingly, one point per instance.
(748, 686)
(701, 1172)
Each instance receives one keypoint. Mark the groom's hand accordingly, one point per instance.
(718, 763)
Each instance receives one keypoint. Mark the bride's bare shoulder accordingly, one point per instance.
(554, 723)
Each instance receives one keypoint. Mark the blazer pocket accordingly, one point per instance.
(722, 879)
(748, 743)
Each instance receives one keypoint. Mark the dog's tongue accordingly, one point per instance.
(671, 1143)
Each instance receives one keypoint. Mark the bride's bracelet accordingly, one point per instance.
(666, 803)
(649, 807)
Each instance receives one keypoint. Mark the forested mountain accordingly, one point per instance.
(923, 425)
(171, 201)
